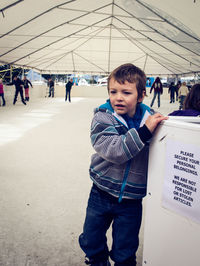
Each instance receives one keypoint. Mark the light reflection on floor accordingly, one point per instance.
(19, 122)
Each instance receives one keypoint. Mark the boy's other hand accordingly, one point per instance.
(153, 121)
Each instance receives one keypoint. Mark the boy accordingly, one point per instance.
(118, 169)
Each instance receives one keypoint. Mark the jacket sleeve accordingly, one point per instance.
(10, 84)
(161, 88)
(152, 87)
(30, 83)
(109, 144)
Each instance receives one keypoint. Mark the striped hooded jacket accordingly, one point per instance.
(120, 163)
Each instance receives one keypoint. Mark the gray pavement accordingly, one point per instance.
(45, 154)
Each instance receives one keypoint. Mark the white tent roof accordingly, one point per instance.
(91, 36)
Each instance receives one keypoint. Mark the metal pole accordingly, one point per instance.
(11, 73)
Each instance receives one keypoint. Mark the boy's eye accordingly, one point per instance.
(127, 92)
(112, 92)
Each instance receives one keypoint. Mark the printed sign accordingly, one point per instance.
(181, 190)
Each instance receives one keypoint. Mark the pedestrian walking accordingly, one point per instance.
(172, 91)
(158, 90)
(26, 87)
(183, 91)
(18, 89)
(68, 87)
(51, 87)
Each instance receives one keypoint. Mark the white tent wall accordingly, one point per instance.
(86, 36)
(41, 91)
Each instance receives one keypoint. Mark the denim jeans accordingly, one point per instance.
(182, 99)
(68, 92)
(3, 99)
(51, 91)
(104, 209)
(154, 97)
(17, 91)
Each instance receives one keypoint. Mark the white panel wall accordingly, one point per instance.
(40, 91)
(170, 239)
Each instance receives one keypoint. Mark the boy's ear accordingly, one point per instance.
(142, 98)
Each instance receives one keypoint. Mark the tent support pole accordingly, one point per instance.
(145, 62)
(11, 69)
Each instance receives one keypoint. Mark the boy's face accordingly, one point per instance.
(123, 97)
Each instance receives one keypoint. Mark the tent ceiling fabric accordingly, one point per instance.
(90, 36)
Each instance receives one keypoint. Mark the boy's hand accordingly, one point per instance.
(153, 121)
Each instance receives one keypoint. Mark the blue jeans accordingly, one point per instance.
(68, 92)
(104, 209)
(154, 97)
(51, 91)
(182, 99)
(3, 99)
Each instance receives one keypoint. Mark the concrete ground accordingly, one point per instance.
(45, 154)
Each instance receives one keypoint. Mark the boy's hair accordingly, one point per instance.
(192, 100)
(132, 74)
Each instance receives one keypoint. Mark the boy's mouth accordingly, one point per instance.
(119, 105)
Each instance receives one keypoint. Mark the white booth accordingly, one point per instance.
(172, 215)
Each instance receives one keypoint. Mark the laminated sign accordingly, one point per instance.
(181, 190)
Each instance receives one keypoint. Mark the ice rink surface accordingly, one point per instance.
(45, 155)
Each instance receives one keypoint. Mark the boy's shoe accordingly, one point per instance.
(105, 263)
(100, 263)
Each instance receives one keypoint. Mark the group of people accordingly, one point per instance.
(120, 136)
(25, 83)
(191, 103)
(179, 90)
(68, 88)
(19, 86)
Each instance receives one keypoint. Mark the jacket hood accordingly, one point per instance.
(125, 119)
(106, 107)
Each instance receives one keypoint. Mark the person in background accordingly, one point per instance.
(51, 87)
(120, 132)
(158, 90)
(18, 89)
(172, 91)
(26, 87)
(2, 92)
(183, 91)
(178, 85)
(191, 105)
(68, 87)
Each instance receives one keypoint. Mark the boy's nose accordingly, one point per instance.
(119, 96)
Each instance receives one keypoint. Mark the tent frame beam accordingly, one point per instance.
(47, 31)
(65, 54)
(30, 20)
(167, 21)
(9, 6)
(164, 47)
(160, 33)
(58, 41)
